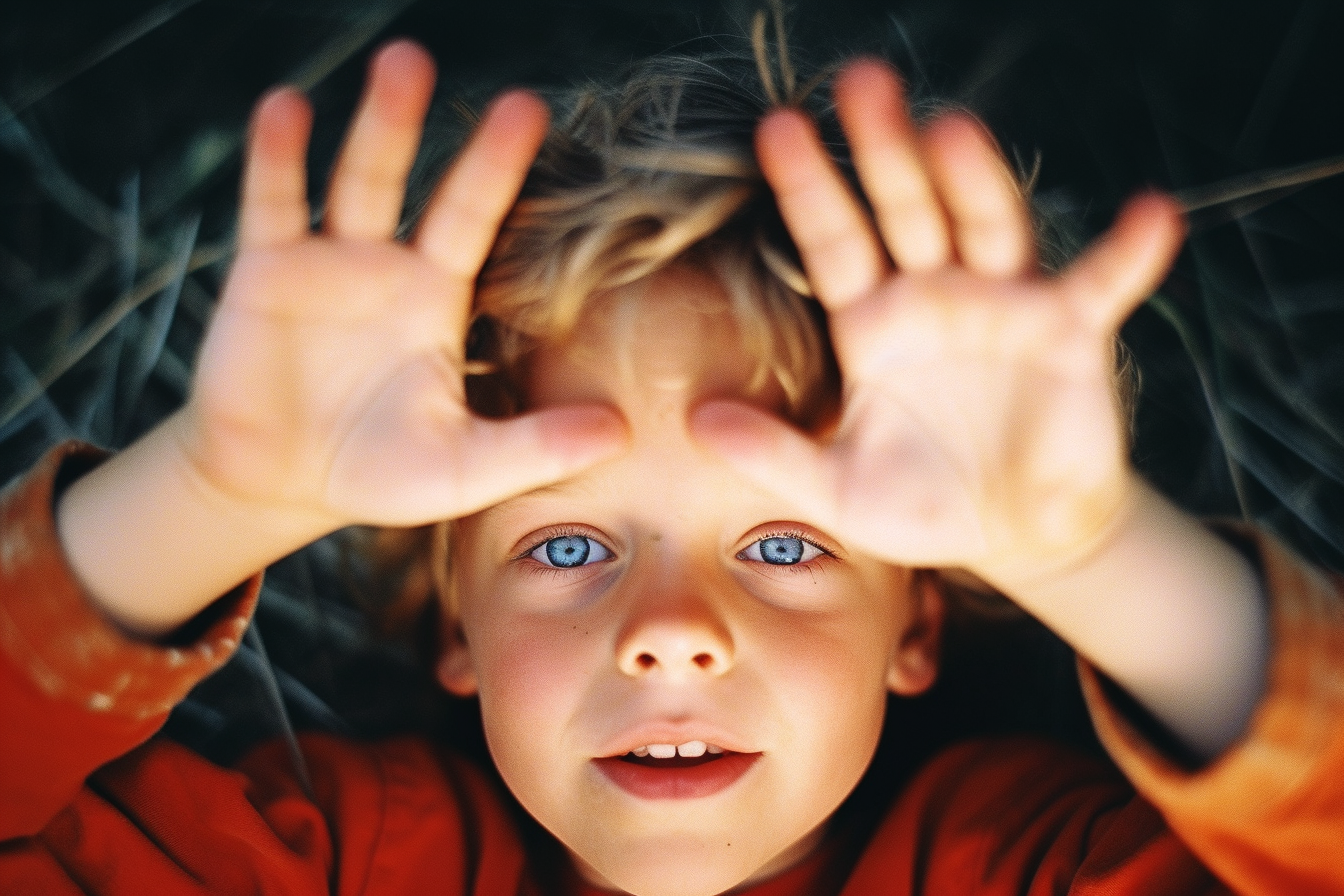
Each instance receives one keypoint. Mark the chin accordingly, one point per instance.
(672, 866)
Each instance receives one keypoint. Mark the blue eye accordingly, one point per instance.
(569, 551)
(781, 550)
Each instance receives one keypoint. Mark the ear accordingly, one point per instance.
(914, 664)
(454, 668)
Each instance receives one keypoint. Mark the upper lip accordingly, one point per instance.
(676, 733)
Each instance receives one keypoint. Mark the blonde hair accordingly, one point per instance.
(657, 171)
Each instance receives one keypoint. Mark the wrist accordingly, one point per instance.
(177, 449)
(1049, 564)
(1169, 611)
(153, 542)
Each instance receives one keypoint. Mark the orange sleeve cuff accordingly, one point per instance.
(1268, 814)
(53, 635)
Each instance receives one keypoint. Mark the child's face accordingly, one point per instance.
(669, 626)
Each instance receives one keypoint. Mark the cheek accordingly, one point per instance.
(831, 677)
(527, 665)
(532, 675)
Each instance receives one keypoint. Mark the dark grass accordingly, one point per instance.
(119, 138)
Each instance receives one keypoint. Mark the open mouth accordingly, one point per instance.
(685, 771)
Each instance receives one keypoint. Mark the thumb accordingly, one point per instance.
(1128, 262)
(497, 459)
(770, 453)
(430, 471)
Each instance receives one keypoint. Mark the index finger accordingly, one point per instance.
(464, 214)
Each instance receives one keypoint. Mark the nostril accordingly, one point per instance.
(645, 661)
(703, 660)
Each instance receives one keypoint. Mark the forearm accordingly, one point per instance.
(154, 543)
(1168, 610)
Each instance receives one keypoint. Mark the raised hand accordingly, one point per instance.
(979, 424)
(329, 387)
(331, 377)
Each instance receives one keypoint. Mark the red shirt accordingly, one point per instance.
(90, 802)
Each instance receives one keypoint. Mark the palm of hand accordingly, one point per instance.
(979, 420)
(338, 394)
(979, 424)
(331, 378)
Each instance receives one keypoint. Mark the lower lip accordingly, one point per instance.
(677, 783)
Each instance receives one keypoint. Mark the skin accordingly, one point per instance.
(328, 390)
(794, 661)
(978, 430)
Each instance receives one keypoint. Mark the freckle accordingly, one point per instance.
(657, 536)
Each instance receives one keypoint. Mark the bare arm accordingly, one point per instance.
(1169, 610)
(329, 387)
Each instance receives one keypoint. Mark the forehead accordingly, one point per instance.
(657, 346)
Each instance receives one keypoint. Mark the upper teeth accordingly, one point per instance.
(690, 750)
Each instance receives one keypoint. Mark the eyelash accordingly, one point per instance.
(539, 568)
(825, 554)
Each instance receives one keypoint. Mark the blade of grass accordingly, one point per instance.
(216, 150)
(53, 421)
(1288, 491)
(149, 348)
(68, 194)
(252, 640)
(126, 245)
(1299, 439)
(86, 340)
(1257, 183)
(97, 407)
(1169, 312)
(114, 44)
(1199, 346)
(1278, 80)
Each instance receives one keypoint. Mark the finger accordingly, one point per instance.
(870, 102)
(498, 459)
(368, 184)
(1126, 264)
(464, 215)
(771, 454)
(840, 251)
(991, 227)
(274, 209)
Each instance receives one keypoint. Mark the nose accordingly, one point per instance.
(674, 634)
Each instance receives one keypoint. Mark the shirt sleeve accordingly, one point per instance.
(76, 690)
(1268, 815)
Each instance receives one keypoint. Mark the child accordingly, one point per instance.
(681, 613)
